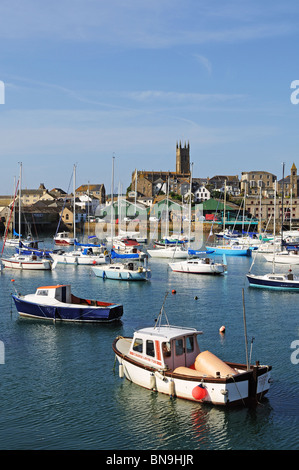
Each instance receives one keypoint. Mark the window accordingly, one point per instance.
(150, 348)
(42, 292)
(190, 344)
(179, 347)
(138, 345)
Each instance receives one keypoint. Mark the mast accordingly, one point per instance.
(74, 203)
(274, 228)
(20, 199)
(112, 196)
(190, 204)
(282, 214)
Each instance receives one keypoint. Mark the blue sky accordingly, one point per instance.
(86, 80)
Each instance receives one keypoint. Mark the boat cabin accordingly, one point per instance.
(165, 347)
(62, 293)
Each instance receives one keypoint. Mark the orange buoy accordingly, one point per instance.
(173, 291)
(12, 280)
(199, 392)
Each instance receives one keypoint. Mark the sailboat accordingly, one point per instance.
(30, 261)
(84, 256)
(168, 250)
(281, 281)
(233, 248)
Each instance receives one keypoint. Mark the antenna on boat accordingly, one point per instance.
(245, 330)
(158, 320)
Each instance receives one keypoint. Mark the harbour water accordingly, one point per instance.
(60, 388)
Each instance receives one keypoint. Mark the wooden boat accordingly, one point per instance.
(130, 271)
(59, 304)
(167, 359)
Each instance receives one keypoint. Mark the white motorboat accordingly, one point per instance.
(167, 359)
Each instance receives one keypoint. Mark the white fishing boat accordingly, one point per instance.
(130, 271)
(168, 359)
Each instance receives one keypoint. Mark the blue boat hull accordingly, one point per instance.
(229, 251)
(60, 313)
(271, 284)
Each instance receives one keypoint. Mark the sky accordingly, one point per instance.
(98, 84)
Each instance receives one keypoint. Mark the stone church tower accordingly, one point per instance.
(293, 180)
(183, 159)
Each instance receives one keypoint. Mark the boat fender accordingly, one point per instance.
(171, 387)
(152, 381)
(199, 392)
(121, 371)
(160, 376)
(104, 274)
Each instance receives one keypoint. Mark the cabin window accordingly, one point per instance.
(150, 348)
(179, 347)
(138, 345)
(190, 344)
(42, 292)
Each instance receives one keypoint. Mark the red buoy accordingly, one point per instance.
(173, 291)
(199, 392)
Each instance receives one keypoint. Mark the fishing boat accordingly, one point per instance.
(64, 239)
(204, 265)
(59, 304)
(168, 359)
(130, 271)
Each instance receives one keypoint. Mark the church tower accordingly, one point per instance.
(183, 159)
(293, 180)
